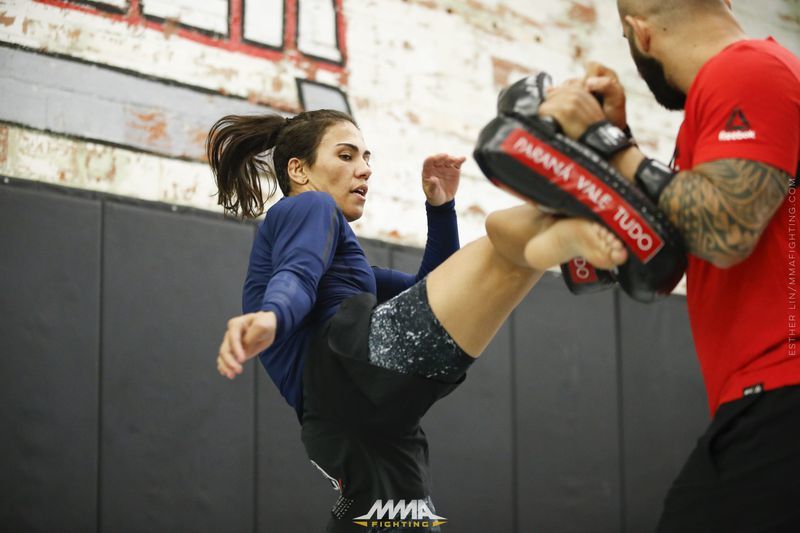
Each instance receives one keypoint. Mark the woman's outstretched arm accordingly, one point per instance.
(440, 178)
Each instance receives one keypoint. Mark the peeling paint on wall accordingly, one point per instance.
(152, 125)
(507, 72)
(3, 145)
(583, 13)
(60, 160)
(6, 20)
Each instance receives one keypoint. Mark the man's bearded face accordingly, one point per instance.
(652, 71)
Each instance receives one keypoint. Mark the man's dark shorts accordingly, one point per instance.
(744, 474)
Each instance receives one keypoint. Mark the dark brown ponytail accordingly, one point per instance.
(238, 152)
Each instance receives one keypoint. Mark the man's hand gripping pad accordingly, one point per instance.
(525, 153)
(522, 99)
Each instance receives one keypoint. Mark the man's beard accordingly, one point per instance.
(652, 71)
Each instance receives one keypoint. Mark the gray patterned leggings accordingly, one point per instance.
(405, 336)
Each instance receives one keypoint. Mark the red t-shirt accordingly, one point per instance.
(745, 104)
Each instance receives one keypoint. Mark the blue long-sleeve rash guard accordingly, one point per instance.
(306, 261)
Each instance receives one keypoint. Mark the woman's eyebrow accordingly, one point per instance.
(353, 147)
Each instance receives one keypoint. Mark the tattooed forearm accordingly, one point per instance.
(722, 207)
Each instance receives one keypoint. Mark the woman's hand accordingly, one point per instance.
(440, 176)
(247, 336)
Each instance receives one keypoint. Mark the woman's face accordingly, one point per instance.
(342, 169)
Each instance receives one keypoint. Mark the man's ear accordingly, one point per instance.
(297, 171)
(642, 32)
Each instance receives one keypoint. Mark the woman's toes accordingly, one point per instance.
(609, 249)
(619, 255)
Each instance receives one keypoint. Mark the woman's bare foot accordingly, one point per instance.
(574, 237)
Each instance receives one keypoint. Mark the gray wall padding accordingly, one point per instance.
(49, 353)
(177, 440)
(566, 398)
(664, 403)
(575, 419)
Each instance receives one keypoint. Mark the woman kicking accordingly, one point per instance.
(361, 353)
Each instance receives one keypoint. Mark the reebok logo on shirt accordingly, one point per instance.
(737, 128)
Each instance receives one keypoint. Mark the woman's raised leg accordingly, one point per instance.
(475, 290)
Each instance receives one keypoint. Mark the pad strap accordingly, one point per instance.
(582, 278)
(653, 177)
(606, 139)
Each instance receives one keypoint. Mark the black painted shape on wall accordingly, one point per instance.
(314, 95)
(49, 350)
(177, 441)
